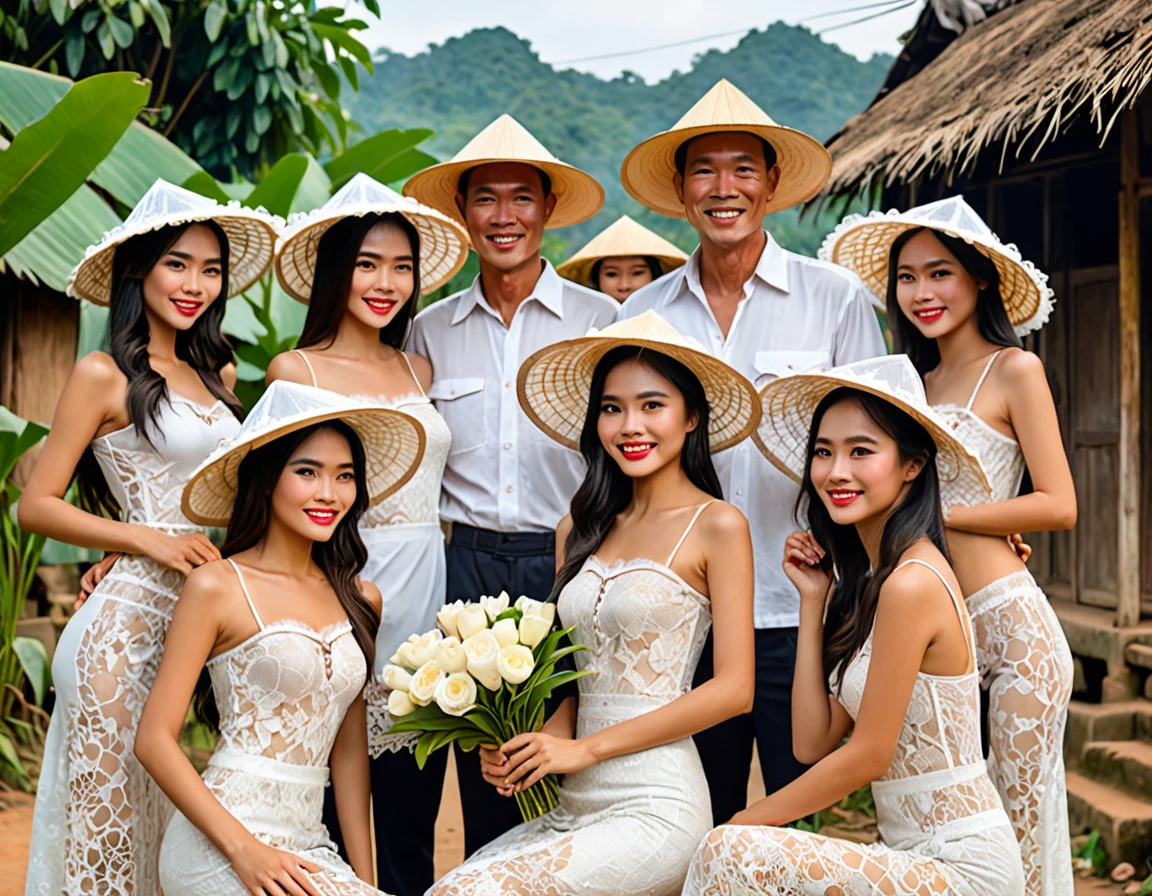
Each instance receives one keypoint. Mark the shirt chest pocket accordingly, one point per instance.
(773, 365)
(464, 406)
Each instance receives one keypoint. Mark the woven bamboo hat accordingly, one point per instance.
(393, 446)
(789, 402)
(863, 243)
(443, 242)
(578, 195)
(647, 172)
(623, 238)
(251, 236)
(553, 384)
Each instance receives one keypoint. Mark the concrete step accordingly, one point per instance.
(1138, 654)
(1088, 722)
(1123, 764)
(1124, 822)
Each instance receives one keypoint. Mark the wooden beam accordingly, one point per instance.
(1128, 553)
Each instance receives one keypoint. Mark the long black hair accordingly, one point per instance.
(336, 263)
(852, 608)
(606, 489)
(991, 318)
(202, 346)
(340, 558)
(651, 260)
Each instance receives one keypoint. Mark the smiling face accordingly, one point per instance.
(622, 275)
(505, 210)
(186, 280)
(726, 186)
(643, 419)
(383, 278)
(856, 466)
(317, 486)
(935, 292)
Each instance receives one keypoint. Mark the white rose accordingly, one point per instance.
(422, 690)
(426, 647)
(451, 657)
(404, 657)
(514, 663)
(470, 620)
(534, 629)
(494, 606)
(400, 704)
(446, 618)
(396, 678)
(481, 651)
(523, 602)
(456, 693)
(505, 632)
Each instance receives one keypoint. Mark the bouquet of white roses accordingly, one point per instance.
(481, 678)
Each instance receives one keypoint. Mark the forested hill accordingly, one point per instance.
(458, 87)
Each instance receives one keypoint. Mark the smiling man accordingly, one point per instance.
(767, 312)
(506, 485)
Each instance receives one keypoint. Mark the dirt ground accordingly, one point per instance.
(16, 823)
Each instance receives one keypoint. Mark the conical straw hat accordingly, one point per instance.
(393, 446)
(443, 242)
(647, 172)
(251, 237)
(553, 384)
(789, 402)
(578, 195)
(863, 243)
(623, 238)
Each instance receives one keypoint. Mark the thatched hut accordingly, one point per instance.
(1041, 116)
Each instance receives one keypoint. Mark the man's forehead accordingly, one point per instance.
(725, 142)
(504, 174)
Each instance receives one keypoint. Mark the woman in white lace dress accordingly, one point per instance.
(959, 300)
(649, 558)
(276, 643)
(131, 425)
(361, 263)
(885, 657)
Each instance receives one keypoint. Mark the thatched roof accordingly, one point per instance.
(1011, 84)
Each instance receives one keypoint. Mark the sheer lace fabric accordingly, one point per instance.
(282, 695)
(99, 815)
(942, 827)
(627, 825)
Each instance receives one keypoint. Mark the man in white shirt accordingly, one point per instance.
(506, 485)
(767, 312)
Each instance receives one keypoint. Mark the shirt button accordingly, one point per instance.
(509, 489)
(508, 385)
(507, 446)
(739, 492)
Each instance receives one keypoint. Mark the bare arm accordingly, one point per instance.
(1052, 503)
(228, 376)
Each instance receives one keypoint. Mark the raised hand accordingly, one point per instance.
(802, 558)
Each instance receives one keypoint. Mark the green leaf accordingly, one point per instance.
(122, 32)
(50, 159)
(253, 29)
(104, 37)
(349, 69)
(59, 10)
(205, 184)
(263, 83)
(9, 755)
(214, 19)
(225, 73)
(374, 154)
(34, 661)
(91, 19)
(17, 435)
(136, 14)
(373, 6)
(219, 50)
(160, 19)
(74, 47)
(278, 189)
(243, 78)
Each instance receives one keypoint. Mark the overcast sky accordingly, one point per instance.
(561, 31)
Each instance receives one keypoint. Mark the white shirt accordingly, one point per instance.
(797, 314)
(502, 473)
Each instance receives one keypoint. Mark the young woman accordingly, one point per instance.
(360, 262)
(884, 657)
(285, 631)
(649, 557)
(621, 259)
(131, 425)
(959, 300)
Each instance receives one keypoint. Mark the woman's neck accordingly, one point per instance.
(962, 345)
(356, 339)
(284, 551)
(161, 339)
(667, 487)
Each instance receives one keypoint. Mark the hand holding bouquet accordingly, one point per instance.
(481, 678)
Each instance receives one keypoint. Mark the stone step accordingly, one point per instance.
(1088, 722)
(1138, 654)
(1123, 764)
(1124, 822)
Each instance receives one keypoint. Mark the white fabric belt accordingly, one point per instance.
(618, 707)
(272, 769)
(929, 781)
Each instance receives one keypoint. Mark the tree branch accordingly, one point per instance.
(184, 105)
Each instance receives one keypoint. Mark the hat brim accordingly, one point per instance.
(864, 244)
(578, 195)
(579, 270)
(443, 249)
(554, 384)
(251, 240)
(787, 406)
(393, 448)
(648, 170)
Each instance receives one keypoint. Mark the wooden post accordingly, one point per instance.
(1128, 553)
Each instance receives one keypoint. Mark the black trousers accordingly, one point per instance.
(726, 749)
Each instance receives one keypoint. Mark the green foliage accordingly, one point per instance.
(237, 83)
(1093, 852)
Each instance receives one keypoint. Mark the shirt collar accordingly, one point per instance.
(548, 291)
(772, 268)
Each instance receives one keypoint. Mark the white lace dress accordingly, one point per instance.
(99, 815)
(282, 695)
(942, 827)
(627, 825)
(1026, 667)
